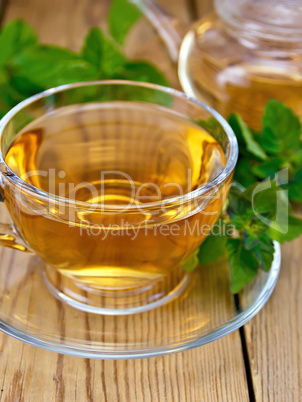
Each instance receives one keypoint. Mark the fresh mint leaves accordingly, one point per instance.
(49, 66)
(259, 209)
(122, 15)
(295, 189)
(278, 146)
(212, 249)
(103, 53)
(28, 67)
(245, 136)
(141, 71)
(294, 230)
(281, 130)
(93, 48)
(242, 263)
(16, 35)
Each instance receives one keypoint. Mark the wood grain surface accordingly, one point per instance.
(215, 372)
(274, 336)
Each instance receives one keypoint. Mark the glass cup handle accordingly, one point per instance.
(9, 236)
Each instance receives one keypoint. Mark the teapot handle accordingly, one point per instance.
(169, 28)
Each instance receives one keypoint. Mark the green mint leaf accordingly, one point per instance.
(103, 53)
(121, 17)
(272, 208)
(264, 251)
(2, 113)
(240, 209)
(245, 137)
(3, 77)
(92, 50)
(191, 262)
(8, 97)
(242, 263)
(50, 66)
(281, 129)
(145, 72)
(295, 160)
(261, 245)
(268, 168)
(250, 238)
(267, 197)
(253, 210)
(23, 87)
(286, 231)
(243, 172)
(142, 71)
(212, 248)
(16, 36)
(295, 188)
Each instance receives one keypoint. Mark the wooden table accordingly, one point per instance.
(261, 362)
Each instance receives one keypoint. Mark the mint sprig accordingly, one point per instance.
(260, 210)
(278, 146)
(28, 67)
(122, 15)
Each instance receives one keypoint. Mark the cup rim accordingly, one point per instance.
(41, 194)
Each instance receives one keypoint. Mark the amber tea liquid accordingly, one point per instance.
(245, 89)
(222, 68)
(116, 154)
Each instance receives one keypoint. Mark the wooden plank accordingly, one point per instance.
(211, 373)
(64, 22)
(214, 372)
(274, 336)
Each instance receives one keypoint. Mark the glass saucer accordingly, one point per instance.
(204, 312)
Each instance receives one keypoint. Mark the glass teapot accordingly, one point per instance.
(235, 59)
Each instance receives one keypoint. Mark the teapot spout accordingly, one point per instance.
(169, 28)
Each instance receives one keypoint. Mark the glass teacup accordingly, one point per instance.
(114, 184)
